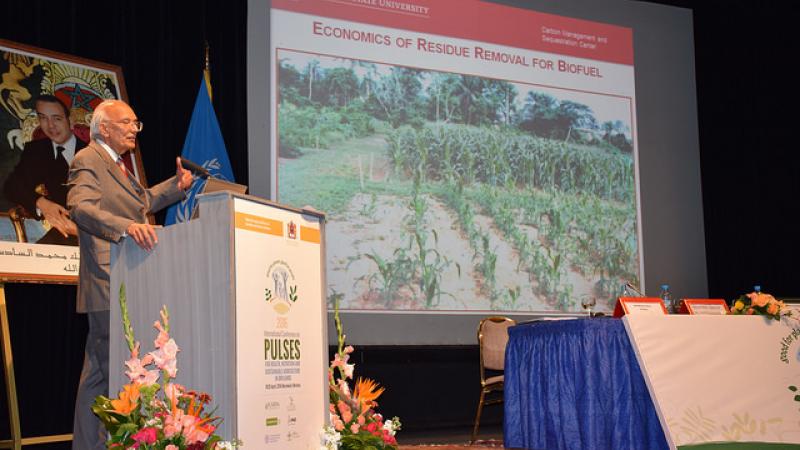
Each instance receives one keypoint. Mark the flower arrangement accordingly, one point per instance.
(759, 303)
(148, 416)
(354, 423)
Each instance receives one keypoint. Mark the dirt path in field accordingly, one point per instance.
(581, 285)
(506, 274)
(377, 225)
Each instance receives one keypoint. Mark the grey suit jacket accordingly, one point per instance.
(103, 203)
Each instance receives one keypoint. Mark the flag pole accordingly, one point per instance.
(203, 144)
(207, 70)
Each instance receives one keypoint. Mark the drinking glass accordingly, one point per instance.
(588, 302)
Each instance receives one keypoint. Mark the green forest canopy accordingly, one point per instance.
(338, 100)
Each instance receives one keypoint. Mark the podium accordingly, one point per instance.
(244, 285)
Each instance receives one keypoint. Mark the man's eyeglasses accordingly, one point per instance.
(137, 125)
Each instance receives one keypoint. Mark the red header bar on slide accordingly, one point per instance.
(483, 22)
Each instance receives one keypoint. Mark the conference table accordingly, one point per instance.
(654, 382)
(576, 384)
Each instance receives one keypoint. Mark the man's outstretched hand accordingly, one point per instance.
(184, 176)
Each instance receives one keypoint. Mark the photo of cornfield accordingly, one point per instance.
(453, 192)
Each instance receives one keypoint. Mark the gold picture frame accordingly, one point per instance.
(80, 84)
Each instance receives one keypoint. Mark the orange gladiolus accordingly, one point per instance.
(128, 399)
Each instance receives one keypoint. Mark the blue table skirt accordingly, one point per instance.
(576, 384)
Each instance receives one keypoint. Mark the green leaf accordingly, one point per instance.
(126, 322)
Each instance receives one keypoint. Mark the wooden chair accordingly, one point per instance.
(492, 340)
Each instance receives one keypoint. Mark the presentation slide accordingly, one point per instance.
(463, 169)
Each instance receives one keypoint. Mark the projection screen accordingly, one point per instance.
(473, 158)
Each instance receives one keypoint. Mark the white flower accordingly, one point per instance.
(392, 425)
(154, 422)
(330, 438)
(344, 387)
(348, 370)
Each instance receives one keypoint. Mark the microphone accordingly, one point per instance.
(629, 286)
(195, 168)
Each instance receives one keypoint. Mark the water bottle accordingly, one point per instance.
(666, 297)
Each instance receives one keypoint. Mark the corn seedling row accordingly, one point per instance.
(506, 158)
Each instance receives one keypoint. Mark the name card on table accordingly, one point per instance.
(639, 305)
(704, 306)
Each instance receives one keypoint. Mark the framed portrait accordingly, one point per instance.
(46, 104)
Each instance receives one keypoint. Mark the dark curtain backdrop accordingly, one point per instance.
(746, 85)
(159, 45)
(745, 53)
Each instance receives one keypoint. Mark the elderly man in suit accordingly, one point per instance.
(37, 183)
(108, 204)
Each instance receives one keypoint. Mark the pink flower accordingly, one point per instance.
(194, 431)
(348, 370)
(145, 436)
(195, 434)
(347, 414)
(338, 425)
(173, 391)
(750, 311)
(162, 337)
(165, 357)
(171, 447)
(170, 349)
(188, 425)
(171, 367)
(341, 363)
(354, 428)
(173, 424)
(137, 372)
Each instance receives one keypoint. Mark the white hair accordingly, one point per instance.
(99, 116)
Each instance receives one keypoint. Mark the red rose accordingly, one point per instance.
(388, 438)
(145, 436)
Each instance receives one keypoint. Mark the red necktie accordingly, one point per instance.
(121, 165)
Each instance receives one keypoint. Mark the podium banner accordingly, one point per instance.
(281, 356)
(717, 380)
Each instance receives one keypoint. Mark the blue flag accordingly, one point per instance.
(203, 145)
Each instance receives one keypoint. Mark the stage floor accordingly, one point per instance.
(451, 439)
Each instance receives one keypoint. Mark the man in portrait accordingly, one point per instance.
(37, 183)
